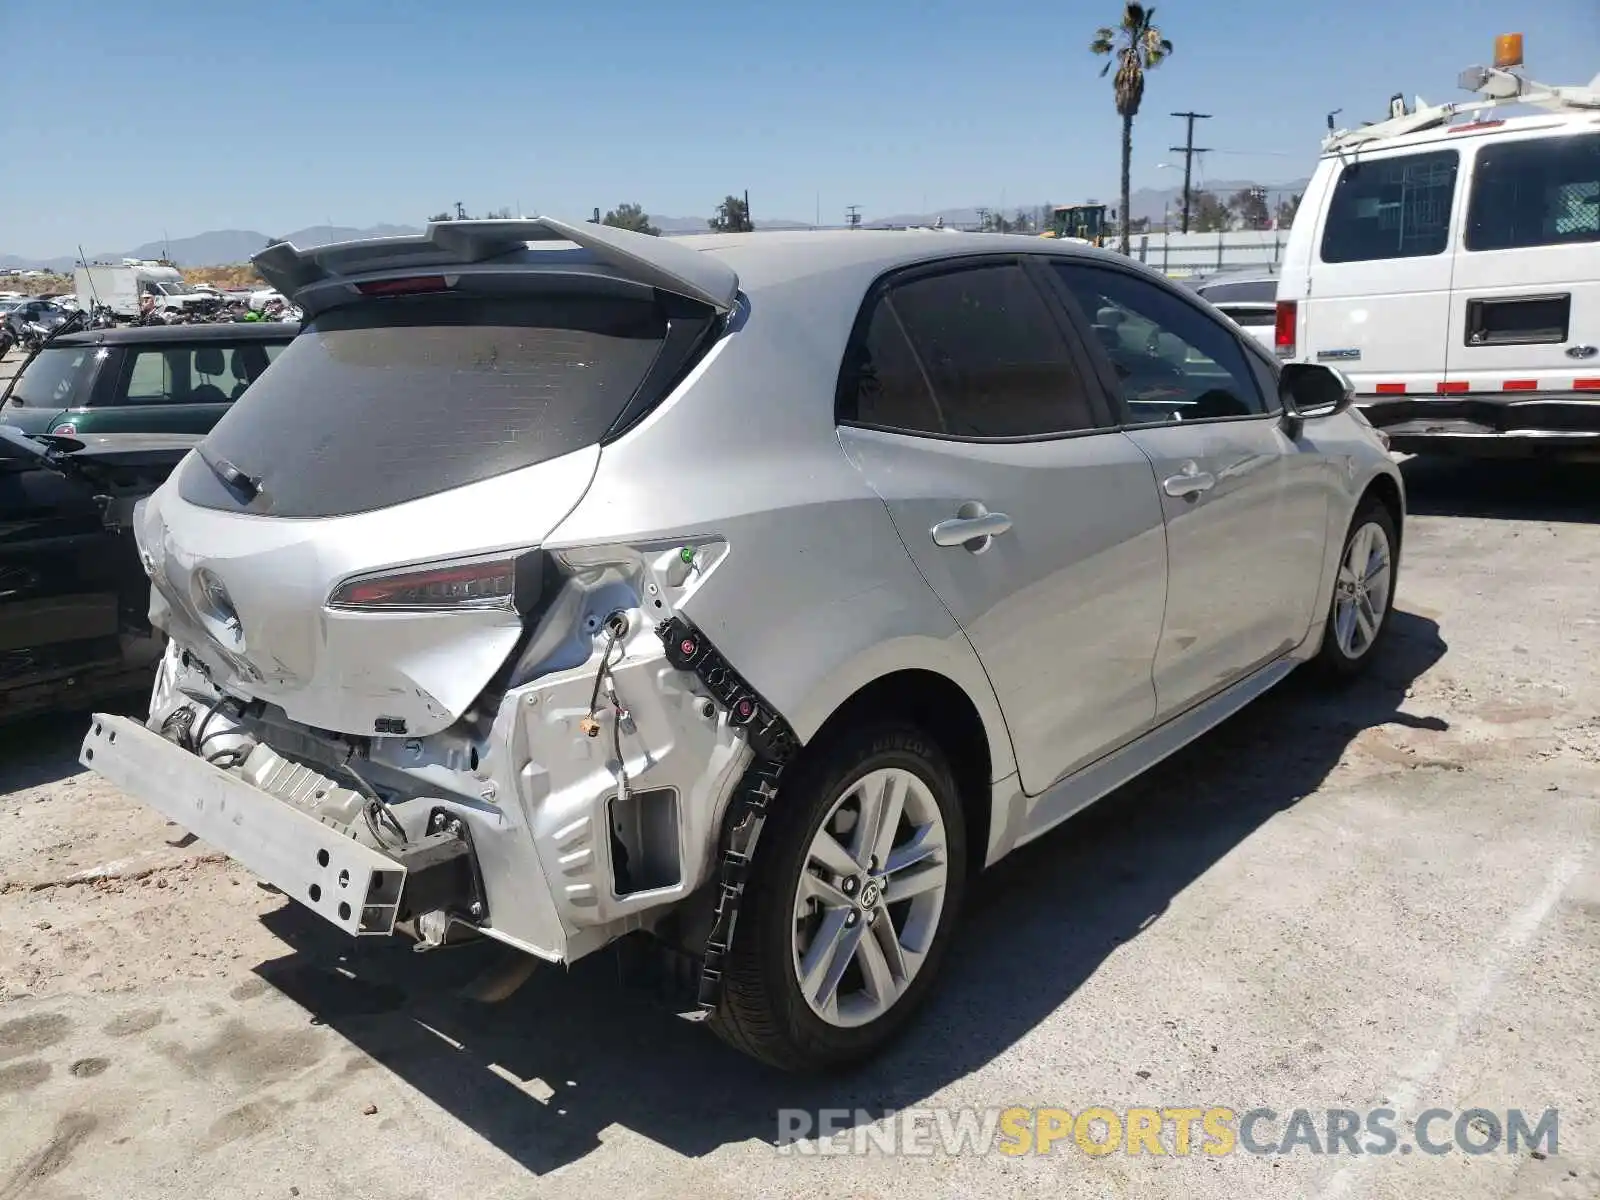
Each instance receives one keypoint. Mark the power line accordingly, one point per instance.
(1189, 150)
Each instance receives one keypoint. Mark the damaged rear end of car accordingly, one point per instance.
(388, 689)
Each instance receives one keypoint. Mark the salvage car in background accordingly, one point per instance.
(140, 379)
(74, 600)
(535, 581)
(1248, 297)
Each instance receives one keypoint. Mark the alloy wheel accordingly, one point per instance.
(870, 897)
(1361, 595)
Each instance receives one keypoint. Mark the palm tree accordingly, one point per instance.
(1133, 47)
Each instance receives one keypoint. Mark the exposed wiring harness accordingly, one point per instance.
(180, 728)
(605, 679)
(375, 810)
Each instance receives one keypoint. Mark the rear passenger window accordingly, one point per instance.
(991, 360)
(182, 375)
(885, 385)
(1391, 208)
(1537, 193)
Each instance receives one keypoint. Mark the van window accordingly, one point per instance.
(1544, 192)
(1391, 208)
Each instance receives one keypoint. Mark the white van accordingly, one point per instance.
(1448, 261)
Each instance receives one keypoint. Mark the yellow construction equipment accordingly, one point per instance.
(1085, 222)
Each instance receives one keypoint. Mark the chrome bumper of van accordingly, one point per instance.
(1503, 424)
(348, 884)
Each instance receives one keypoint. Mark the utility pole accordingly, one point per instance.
(1189, 150)
(461, 212)
(853, 216)
(749, 225)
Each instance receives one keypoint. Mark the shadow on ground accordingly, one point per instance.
(611, 1053)
(40, 750)
(1508, 490)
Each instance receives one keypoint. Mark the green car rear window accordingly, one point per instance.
(57, 378)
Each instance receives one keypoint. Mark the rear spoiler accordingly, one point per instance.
(654, 261)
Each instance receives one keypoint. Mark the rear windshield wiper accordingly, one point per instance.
(240, 483)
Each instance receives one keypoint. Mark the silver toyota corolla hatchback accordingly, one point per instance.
(754, 592)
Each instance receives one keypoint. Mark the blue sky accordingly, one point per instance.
(127, 119)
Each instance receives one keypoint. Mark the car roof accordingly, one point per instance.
(1237, 275)
(780, 256)
(161, 335)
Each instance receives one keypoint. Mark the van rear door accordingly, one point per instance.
(1379, 296)
(1525, 308)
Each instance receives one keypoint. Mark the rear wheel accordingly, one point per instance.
(851, 898)
(1363, 592)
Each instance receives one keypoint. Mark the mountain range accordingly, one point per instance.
(223, 246)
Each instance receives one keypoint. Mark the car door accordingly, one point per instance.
(1245, 504)
(168, 388)
(967, 406)
(1525, 306)
(59, 602)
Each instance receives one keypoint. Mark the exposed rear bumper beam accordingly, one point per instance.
(340, 879)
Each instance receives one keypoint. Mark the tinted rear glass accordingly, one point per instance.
(1544, 192)
(1391, 208)
(1257, 290)
(1253, 317)
(57, 378)
(384, 402)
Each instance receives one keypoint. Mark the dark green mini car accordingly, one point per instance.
(140, 379)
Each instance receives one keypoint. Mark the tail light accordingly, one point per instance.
(65, 429)
(1283, 330)
(509, 582)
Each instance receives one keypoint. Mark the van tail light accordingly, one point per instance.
(1283, 331)
(510, 582)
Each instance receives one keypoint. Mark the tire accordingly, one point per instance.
(763, 1010)
(1347, 647)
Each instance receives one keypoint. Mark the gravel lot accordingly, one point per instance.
(1385, 896)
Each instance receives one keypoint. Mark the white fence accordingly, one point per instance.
(1183, 254)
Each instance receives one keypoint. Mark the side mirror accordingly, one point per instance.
(1309, 391)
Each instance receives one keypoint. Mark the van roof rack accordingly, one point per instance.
(1496, 87)
(654, 261)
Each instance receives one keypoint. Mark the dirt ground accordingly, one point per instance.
(1389, 894)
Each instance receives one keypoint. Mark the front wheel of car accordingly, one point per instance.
(1363, 592)
(851, 898)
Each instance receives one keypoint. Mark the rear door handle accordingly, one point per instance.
(1190, 481)
(963, 531)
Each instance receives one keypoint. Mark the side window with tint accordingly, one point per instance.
(996, 361)
(883, 383)
(1544, 192)
(1391, 208)
(1174, 362)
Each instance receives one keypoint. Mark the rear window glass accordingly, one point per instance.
(1391, 208)
(1251, 317)
(1256, 291)
(57, 378)
(384, 402)
(1536, 193)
